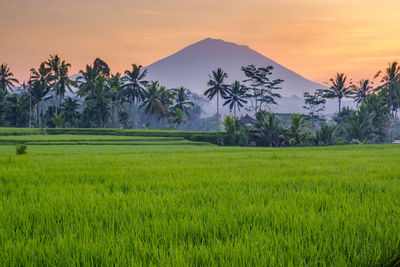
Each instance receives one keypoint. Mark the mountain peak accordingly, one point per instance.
(211, 42)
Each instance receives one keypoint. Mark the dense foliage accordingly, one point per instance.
(370, 123)
(106, 100)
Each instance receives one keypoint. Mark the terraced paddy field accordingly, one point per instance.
(179, 205)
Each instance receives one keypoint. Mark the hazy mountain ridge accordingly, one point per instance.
(191, 66)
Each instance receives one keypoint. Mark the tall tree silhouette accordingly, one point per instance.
(6, 78)
(360, 90)
(182, 102)
(135, 85)
(217, 87)
(236, 96)
(390, 90)
(117, 88)
(40, 80)
(338, 88)
(390, 87)
(152, 103)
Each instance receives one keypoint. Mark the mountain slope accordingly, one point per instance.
(190, 67)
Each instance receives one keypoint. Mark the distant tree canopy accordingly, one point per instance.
(100, 98)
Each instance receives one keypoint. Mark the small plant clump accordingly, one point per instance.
(21, 149)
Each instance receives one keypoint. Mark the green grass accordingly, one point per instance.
(199, 205)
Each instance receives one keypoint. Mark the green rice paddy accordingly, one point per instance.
(180, 205)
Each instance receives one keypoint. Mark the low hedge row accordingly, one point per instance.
(174, 143)
(198, 136)
(20, 131)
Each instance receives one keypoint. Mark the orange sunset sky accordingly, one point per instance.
(315, 38)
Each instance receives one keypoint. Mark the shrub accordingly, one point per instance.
(21, 149)
(213, 139)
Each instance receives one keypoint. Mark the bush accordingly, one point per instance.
(21, 149)
(213, 139)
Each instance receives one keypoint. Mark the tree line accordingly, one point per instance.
(104, 99)
(118, 100)
(373, 121)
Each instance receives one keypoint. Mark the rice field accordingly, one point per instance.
(64, 139)
(180, 205)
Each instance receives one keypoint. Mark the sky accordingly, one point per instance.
(315, 38)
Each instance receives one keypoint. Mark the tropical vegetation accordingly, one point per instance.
(96, 97)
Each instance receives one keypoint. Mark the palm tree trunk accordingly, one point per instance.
(117, 116)
(129, 112)
(112, 115)
(391, 126)
(217, 112)
(37, 115)
(100, 118)
(234, 111)
(59, 103)
(30, 111)
(55, 103)
(340, 105)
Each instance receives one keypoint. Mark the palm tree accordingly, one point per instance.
(390, 87)
(152, 103)
(117, 88)
(26, 91)
(236, 97)
(87, 80)
(270, 131)
(298, 129)
(70, 108)
(177, 117)
(40, 80)
(231, 125)
(101, 67)
(338, 88)
(64, 82)
(6, 78)
(325, 135)
(358, 125)
(166, 98)
(38, 92)
(376, 105)
(390, 90)
(58, 120)
(135, 84)
(181, 96)
(100, 100)
(218, 88)
(54, 65)
(88, 77)
(361, 90)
